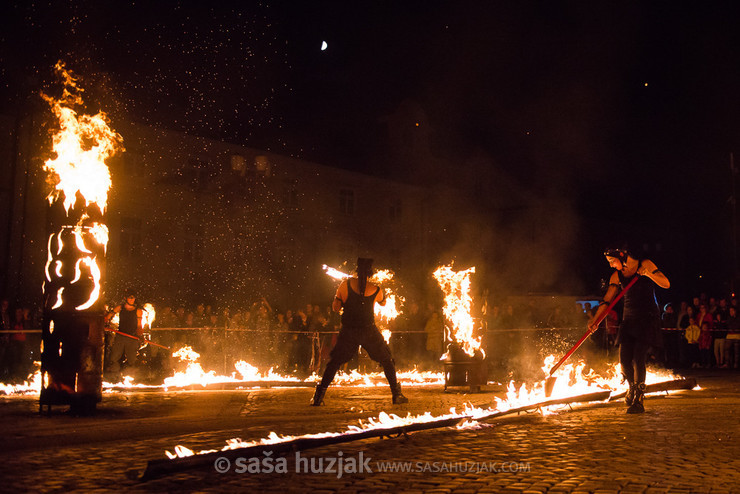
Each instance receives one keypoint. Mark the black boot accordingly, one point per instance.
(398, 397)
(629, 398)
(318, 395)
(639, 394)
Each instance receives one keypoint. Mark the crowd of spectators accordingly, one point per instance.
(291, 341)
(701, 333)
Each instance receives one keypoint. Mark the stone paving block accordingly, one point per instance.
(634, 488)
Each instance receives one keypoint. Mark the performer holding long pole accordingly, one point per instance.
(640, 326)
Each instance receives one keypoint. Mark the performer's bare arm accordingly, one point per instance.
(649, 269)
(139, 316)
(113, 311)
(380, 297)
(611, 292)
(340, 297)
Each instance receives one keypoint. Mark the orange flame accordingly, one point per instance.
(148, 315)
(458, 305)
(82, 145)
(78, 170)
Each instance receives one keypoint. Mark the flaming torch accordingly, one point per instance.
(463, 361)
(72, 331)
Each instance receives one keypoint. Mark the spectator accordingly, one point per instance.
(692, 334)
(5, 325)
(705, 322)
(719, 333)
(280, 332)
(557, 319)
(18, 357)
(732, 343)
(434, 329)
(671, 336)
(200, 319)
(508, 318)
(669, 317)
(705, 345)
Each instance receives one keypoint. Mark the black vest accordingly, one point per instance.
(359, 311)
(128, 321)
(639, 301)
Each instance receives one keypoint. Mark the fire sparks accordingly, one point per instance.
(458, 305)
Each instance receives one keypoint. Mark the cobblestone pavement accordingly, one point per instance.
(686, 442)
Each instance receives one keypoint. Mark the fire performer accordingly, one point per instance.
(357, 296)
(640, 326)
(129, 323)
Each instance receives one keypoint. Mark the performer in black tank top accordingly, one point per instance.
(640, 326)
(129, 322)
(357, 296)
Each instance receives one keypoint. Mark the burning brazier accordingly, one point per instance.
(72, 339)
(73, 328)
(462, 369)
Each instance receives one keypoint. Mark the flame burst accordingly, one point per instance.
(458, 306)
(81, 146)
(77, 171)
(148, 315)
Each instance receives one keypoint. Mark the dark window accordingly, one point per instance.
(133, 164)
(196, 173)
(193, 244)
(394, 211)
(347, 201)
(290, 194)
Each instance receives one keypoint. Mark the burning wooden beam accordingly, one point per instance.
(159, 468)
(675, 385)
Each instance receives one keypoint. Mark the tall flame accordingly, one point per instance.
(81, 146)
(77, 171)
(458, 305)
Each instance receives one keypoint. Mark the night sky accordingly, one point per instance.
(626, 110)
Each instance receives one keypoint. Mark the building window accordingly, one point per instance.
(130, 245)
(347, 201)
(133, 164)
(290, 194)
(394, 210)
(193, 244)
(196, 173)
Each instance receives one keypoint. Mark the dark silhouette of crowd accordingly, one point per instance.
(18, 346)
(293, 341)
(703, 332)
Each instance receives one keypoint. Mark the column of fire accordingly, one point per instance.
(73, 327)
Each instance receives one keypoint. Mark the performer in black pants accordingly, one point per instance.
(357, 296)
(640, 326)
